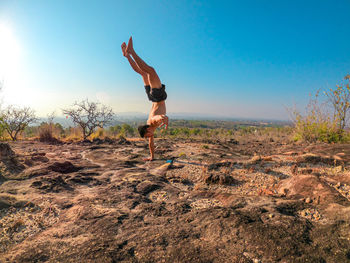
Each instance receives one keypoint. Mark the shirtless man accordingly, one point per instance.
(156, 93)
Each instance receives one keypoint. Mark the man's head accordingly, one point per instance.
(144, 131)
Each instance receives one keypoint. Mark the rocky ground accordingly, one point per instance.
(253, 201)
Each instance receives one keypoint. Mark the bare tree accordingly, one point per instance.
(340, 100)
(89, 115)
(16, 120)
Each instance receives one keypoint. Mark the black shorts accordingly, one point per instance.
(156, 95)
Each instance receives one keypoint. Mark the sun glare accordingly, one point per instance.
(9, 53)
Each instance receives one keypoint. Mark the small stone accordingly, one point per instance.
(308, 200)
(267, 170)
(271, 215)
(294, 169)
(251, 170)
(255, 159)
(318, 199)
(303, 213)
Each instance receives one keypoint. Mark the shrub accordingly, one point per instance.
(319, 124)
(46, 133)
(127, 130)
(100, 133)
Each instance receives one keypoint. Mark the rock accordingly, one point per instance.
(310, 186)
(39, 158)
(222, 179)
(4, 204)
(315, 159)
(97, 141)
(122, 141)
(63, 167)
(308, 200)
(294, 169)
(306, 171)
(267, 170)
(28, 162)
(267, 158)
(251, 170)
(6, 151)
(291, 153)
(109, 140)
(116, 210)
(81, 179)
(216, 166)
(11, 165)
(7, 201)
(51, 184)
(255, 159)
(35, 171)
(233, 141)
(147, 187)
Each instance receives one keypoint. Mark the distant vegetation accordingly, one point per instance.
(326, 119)
(186, 129)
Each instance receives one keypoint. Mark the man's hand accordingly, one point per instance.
(165, 123)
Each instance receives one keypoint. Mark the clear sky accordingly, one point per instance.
(227, 58)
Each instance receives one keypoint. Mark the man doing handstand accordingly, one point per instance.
(156, 93)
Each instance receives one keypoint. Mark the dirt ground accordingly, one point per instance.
(220, 201)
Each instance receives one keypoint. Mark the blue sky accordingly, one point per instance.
(225, 58)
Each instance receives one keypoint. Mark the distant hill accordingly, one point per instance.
(182, 120)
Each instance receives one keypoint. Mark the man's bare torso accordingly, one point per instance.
(157, 113)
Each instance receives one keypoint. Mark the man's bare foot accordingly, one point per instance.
(124, 49)
(130, 48)
(148, 159)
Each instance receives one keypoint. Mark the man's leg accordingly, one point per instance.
(152, 75)
(134, 66)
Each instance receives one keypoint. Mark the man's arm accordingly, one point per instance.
(151, 148)
(160, 121)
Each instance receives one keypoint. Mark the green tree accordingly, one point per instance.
(115, 130)
(127, 130)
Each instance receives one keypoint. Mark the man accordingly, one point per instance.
(156, 93)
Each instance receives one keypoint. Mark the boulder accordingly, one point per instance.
(63, 167)
(6, 151)
(315, 159)
(310, 186)
(147, 187)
